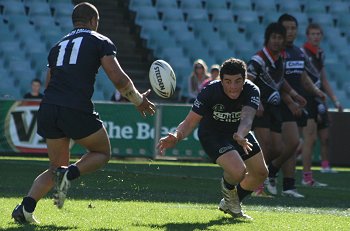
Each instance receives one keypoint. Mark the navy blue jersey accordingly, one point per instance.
(220, 113)
(74, 62)
(268, 75)
(294, 67)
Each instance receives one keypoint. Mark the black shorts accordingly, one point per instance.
(287, 116)
(215, 145)
(322, 119)
(271, 118)
(57, 122)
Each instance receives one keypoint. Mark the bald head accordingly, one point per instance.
(84, 13)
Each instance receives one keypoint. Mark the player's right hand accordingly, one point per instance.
(146, 107)
(166, 142)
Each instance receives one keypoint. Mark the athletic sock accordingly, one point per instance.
(288, 184)
(325, 164)
(307, 176)
(29, 204)
(273, 170)
(73, 172)
(242, 193)
(228, 185)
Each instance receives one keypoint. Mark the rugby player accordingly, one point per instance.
(66, 111)
(225, 111)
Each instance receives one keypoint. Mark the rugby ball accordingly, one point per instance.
(162, 78)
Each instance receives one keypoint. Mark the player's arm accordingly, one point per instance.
(182, 131)
(328, 90)
(293, 106)
(294, 97)
(48, 77)
(311, 87)
(125, 85)
(245, 125)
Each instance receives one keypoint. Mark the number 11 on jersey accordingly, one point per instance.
(74, 54)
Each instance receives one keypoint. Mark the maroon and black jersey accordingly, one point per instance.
(74, 62)
(268, 75)
(314, 58)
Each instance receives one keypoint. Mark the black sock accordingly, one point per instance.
(29, 204)
(228, 185)
(288, 184)
(242, 193)
(73, 172)
(273, 170)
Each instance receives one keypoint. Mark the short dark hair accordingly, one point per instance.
(287, 17)
(313, 26)
(36, 80)
(233, 66)
(276, 28)
(84, 12)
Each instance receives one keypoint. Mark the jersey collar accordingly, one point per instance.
(314, 50)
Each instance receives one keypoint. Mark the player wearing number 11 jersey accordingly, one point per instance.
(66, 111)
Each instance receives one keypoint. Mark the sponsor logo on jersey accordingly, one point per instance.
(255, 100)
(274, 98)
(197, 103)
(294, 64)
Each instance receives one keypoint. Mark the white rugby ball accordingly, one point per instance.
(162, 78)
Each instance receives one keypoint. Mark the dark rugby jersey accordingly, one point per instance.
(314, 62)
(268, 75)
(74, 62)
(220, 113)
(294, 67)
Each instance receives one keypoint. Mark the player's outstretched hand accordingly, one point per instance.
(247, 146)
(146, 107)
(166, 142)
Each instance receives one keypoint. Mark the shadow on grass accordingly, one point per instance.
(30, 227)
(196, 225)
(159, 182)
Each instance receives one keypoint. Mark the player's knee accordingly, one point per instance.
(238, 176)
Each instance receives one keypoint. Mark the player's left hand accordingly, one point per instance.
(146, 107)
(246, 145)
(167, 142)
(300, 100)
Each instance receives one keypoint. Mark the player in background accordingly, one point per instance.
(266, 70)
(318, 121)
(225, 111)
(66, 111)
(293, 120)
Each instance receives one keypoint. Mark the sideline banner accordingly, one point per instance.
(130, 134)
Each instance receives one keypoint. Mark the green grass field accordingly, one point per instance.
(152, 195)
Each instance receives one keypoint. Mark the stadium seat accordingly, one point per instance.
(343, 21)
(301, 17)
(312, 7)
(43, 22)
(323, 19)
(150, 27)
(221, 16)
(193, 15)
(339, 8)
(240, 5)
(212, 5)
(200, 28)
(175, 27)
(246, 18)
(62, 9)
(13, 7)
(172, 14)
(134, 5)
(184, 36)
(193, 4)
(262, 7)
(227, 30)
(162, 5)
(146, 13)
(15, 19)
(38, 8)
(289, 6)
(270, 17)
